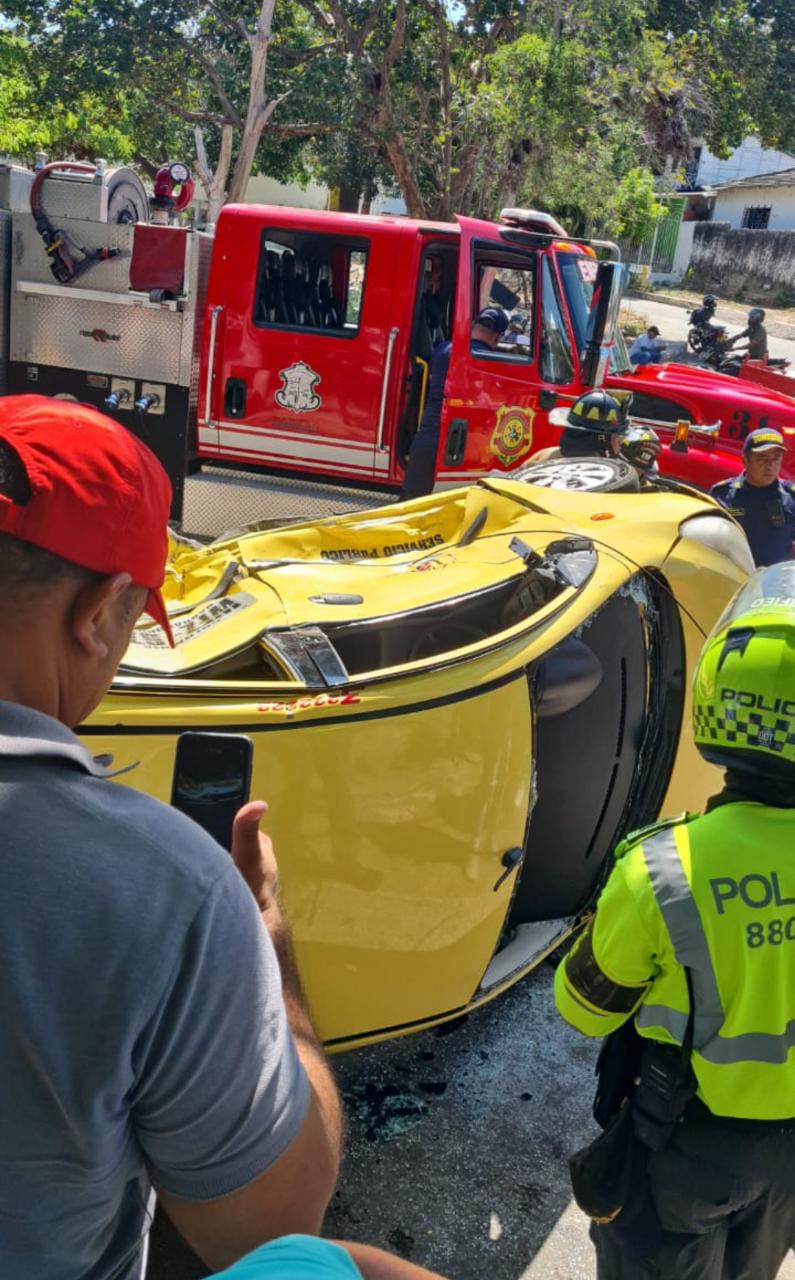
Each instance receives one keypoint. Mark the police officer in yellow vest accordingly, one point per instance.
(714, 895)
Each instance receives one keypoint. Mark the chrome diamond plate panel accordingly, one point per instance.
(71, 332)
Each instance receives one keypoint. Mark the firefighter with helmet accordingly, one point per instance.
(641, 447)
(694, 939)
(595, 425)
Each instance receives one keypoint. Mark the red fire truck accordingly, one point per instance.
(300, 341)
(320, 326)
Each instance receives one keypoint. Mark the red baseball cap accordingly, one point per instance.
(98, 496)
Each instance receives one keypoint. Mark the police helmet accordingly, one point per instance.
(641, 446)
(744, 685)
(756, 315)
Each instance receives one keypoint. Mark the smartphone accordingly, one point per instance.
(212, 779)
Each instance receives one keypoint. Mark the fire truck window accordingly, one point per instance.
(557, 364)
(509, 287)
(353, 306)
(311, 282)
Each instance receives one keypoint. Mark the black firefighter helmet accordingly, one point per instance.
(592, 421)
(641, 446)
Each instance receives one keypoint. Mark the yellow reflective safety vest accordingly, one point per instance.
(715, 894)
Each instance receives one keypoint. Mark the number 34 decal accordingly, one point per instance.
(741, 423)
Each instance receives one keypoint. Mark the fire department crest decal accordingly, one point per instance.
(513, 434)
(297, 391)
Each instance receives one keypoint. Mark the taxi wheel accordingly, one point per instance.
(582, 475)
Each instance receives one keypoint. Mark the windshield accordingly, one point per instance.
(578, 273)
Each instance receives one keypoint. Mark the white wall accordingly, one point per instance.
(746, 161)
(264, 190)
(729, 205)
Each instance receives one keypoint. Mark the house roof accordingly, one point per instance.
(781, 178)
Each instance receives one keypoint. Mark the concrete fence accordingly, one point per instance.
(755, 266)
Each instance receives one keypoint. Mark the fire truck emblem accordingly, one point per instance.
(513, 434)
(298, 388)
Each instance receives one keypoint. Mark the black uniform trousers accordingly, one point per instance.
(724, 1191)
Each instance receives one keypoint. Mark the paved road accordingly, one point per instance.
(457, 1145)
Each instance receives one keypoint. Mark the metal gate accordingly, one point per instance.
(666, 237)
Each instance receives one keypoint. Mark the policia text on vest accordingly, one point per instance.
(714, 896)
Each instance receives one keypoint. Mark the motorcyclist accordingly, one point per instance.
(701, 316)
(756, 334)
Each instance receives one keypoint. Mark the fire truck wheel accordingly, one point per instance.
(583, 475)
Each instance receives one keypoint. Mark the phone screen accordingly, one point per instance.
(212, 778)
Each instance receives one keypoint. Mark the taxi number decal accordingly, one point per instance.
(184, 629)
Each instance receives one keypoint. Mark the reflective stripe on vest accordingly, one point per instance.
(683, 922)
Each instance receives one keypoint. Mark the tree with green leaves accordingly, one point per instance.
(168, 73)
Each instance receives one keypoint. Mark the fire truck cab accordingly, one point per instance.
(320, 328)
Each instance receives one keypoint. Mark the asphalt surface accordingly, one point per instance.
(457, 1143)
(456, 1147)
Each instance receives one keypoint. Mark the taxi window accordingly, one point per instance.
(509, 287)
(310, 281)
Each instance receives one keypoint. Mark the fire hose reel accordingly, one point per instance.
(115, 196)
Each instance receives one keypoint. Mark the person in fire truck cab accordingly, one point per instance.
(760, 502)
(596, 424)
(487, 328)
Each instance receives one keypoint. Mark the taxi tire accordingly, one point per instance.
(586, 475)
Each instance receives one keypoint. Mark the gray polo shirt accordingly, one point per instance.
(142, 1033)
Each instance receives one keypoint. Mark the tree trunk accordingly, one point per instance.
(214, 183)
(403, 170)
(258, 113)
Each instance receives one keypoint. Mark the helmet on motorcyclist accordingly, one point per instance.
(593, 422)
(709, 300)
(641, 446)
(756, 315)
(743, 712)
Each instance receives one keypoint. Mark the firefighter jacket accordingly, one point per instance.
(715, 894)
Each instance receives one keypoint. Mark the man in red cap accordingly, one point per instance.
(144, 1038)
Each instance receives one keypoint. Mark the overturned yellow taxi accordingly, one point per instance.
(458, 706)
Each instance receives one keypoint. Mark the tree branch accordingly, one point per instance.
(231, 112)
(150, 167)
(236, 25)
(299, 130)
(193, 117)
